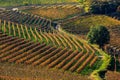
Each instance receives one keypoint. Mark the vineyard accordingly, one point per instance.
(27, 19)
(56, 38)
(19, 50)
(47, 40)
(35, 46)
(35, 41)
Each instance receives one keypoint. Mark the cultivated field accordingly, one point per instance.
(19, 50)
(42, 49)
(27, 19)
(21, 42)
(77, 24)
(73, 50)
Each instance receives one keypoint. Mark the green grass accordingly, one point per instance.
(26, 2)
(87, 70)
(105, 62)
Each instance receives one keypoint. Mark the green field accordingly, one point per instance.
(27, 2)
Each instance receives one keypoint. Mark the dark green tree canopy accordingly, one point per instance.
(99, 6)
(98, 35)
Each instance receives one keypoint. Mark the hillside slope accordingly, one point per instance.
(83, 23)
(55, 12)
(62, 51)
(26, 2)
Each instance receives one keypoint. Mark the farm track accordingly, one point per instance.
(19, 50)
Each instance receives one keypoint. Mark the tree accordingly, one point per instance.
(98, 35)
(105, 7)
(99, 6)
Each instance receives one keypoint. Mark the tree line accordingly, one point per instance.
(99, 6)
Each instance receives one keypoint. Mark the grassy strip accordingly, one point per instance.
(106, 60)
(28, 2)
(88, 70)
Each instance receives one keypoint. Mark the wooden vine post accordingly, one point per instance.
(9, 28)
(28, 34)
(13, 26)
(4, 29)
(18, 28)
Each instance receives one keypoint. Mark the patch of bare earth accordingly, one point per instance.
(110, 75)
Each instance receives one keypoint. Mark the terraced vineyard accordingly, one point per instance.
(27, 19)
(46, 40)
(28, 39)
(19, 50)
(56, 38)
